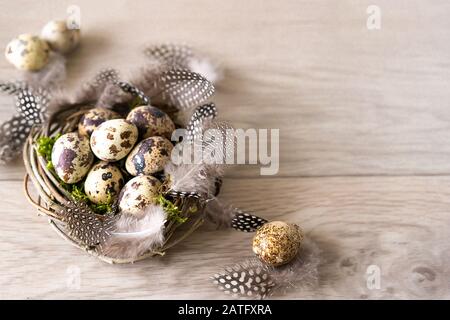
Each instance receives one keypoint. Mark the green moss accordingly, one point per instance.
(77, 192)
(173, 212)
(45, 146)
(50, 166)
(103, 208)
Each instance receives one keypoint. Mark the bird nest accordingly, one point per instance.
(53, 200)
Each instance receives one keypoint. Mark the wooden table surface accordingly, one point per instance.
(364, 119)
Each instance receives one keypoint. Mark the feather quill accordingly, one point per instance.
(131, 236)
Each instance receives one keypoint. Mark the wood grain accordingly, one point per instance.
(399, 224)
(364, 130)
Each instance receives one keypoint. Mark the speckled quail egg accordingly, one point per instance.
(138, 193)
(149, 156)
(28, 52)
(72, 157)
(60, 37)
(113, 139)
(277, 243)
(151, 121)
(93, 118)
(103, 182)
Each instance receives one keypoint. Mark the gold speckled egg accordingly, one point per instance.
(138, 193)
(93, 118)
(149, 156)
(60, 37)
(103, 182)
(28, 52)
(277, 243)
(151, 121)
(72, 157)
(113, 139)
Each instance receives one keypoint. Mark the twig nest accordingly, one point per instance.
(72, 157)
(60, 38)
(103, 183)
(149, 156)
(113, 139)
(277, 243)
(28, 52)
(93, 118)
(138, 193)
(151, 121)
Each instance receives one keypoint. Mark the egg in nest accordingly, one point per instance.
(103, 182)
(151, 121)
(277, 242)
(28, 52)
(149, 156)
(94, 118)
(113, 139)
(72, 157)
(138, 193)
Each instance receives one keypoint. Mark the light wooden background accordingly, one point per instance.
(364, 142)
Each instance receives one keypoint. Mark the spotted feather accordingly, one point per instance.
(201, 114)
(85, 226)
(13, 134)
(12, 87)
(173, 55)
(183, 194)
(106, 76)
(32, 106)
(246, 222)
(245, 280)
(183, 89)
(129, 88)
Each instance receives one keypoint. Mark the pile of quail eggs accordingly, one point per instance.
(116, 158)
(31, 52)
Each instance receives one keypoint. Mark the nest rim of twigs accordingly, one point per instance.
(52, 196)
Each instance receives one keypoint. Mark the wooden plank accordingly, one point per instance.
(348, 101)
(399, 224)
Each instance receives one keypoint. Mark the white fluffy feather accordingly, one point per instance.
(196, 178)
(211, 71)
(134, 235)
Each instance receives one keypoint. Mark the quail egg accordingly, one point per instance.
(277, 243)
(138, 193)
(72, 157)
(113, 139)
(93, 118)
(103, 182)
(60, 37)
(149, 156)
(28, 52)
(151, 121)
